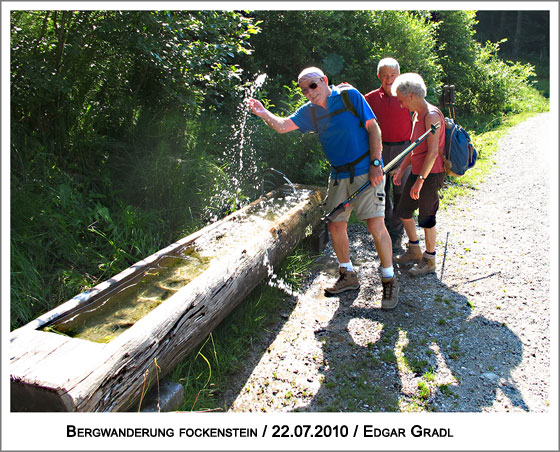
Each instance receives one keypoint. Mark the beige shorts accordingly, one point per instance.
(368, 204)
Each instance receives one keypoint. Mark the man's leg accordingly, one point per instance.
(382, 239)
(387, 157)
(396, 225)
(339, 237)
(376, 227)
(393, 193)
(348, 279)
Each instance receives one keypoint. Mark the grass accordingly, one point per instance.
(423, 390)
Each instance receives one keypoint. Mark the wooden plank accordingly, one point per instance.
(29, 349)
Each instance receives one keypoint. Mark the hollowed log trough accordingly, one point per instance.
(50, 371)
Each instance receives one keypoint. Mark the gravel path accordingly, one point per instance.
(474, 337)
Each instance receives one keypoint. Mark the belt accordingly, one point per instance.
(395, 143)
(349, 167)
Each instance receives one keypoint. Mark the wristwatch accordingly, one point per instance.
(421, 177)
(375, 162)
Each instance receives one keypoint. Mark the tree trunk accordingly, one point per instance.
(51, 372)
(518, 33)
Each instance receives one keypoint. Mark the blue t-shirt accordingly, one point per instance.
(341, 136)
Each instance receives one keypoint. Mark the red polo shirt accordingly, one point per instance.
(394, 120)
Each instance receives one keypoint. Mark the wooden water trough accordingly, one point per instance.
(93, 353)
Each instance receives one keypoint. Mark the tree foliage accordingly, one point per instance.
(94, 95)
(347, 45)
(483, 82)
(67, 65)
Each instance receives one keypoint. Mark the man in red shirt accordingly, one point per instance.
(396, 127)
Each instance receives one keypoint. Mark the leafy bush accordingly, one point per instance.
(500, 86)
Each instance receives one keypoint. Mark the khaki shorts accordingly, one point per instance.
(368, 204)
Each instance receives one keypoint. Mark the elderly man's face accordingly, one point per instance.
(316, 90)
(387, 76)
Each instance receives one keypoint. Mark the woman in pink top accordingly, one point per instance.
(422, 186)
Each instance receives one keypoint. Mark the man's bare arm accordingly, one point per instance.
(280, 125)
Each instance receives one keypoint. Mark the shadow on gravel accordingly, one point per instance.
(428, 354)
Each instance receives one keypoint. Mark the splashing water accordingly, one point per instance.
(240, 176)
(285, 178)
(240, 133)
(239, 160)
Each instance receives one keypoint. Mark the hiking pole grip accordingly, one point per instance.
(446, 96)
(453, 101)
(342, 206)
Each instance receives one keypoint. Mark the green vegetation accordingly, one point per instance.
(123, 136)
(123, 122)
(106, 113)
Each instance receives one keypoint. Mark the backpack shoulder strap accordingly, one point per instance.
(349, 105)
(314, 119)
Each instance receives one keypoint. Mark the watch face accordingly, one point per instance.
(375, 162)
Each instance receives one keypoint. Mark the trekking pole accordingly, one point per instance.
(444, 255)
(452, 96)
(447, 98)
(386, 169)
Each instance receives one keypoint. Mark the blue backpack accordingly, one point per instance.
(459, 153)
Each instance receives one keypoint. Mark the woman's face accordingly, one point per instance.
(406, 100)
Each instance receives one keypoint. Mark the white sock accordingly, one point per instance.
(347, 266)
(387, 272)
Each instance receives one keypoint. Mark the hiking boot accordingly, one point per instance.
(346, 281)
(390, 293)
(413, 255)
(425, 266)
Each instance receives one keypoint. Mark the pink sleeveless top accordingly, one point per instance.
(419, 153)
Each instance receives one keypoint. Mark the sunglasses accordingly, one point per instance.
(311, 86)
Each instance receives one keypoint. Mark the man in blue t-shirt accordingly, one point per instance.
(352, 144)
